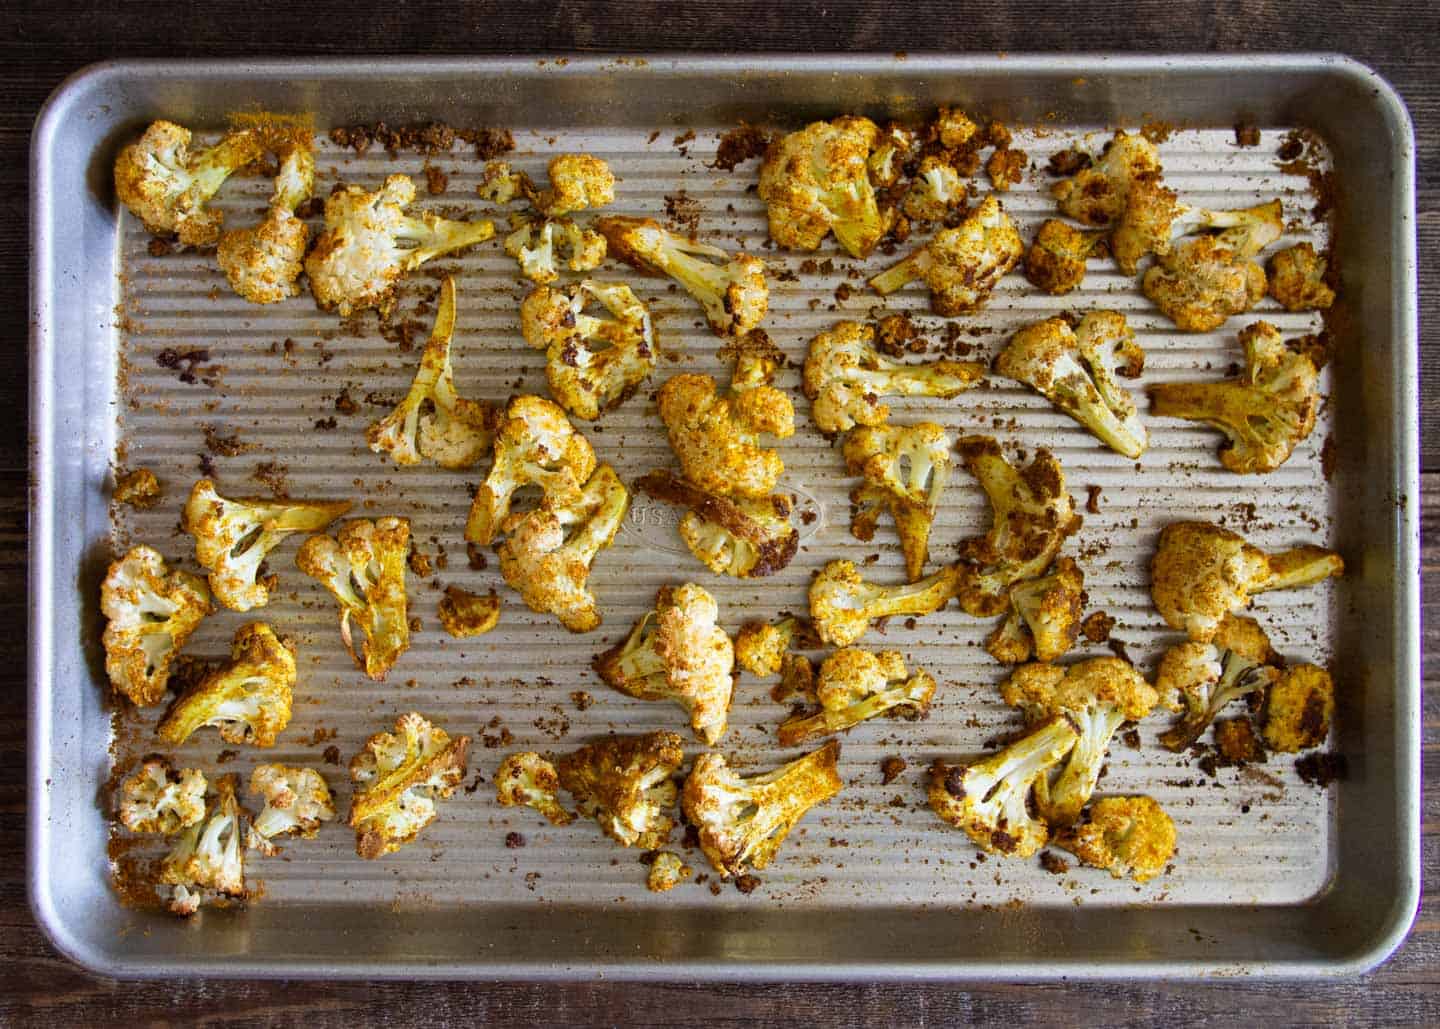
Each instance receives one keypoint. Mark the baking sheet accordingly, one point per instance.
(1245, 839)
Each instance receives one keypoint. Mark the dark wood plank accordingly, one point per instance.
(42, 43)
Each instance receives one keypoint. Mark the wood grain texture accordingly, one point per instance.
(41, 43)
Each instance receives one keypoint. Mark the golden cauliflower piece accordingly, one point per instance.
(363, 565)
(535, 445)
(935, 191)
(1098, 695)
(1202, 282)
(548, 555)
(731, 289)
(296, 800)
(1201, 573)
(539, 247)
(398, 777)
(845, 377)
(742, 822)
(263, 262)
(592, 364)
(889, 154)
(1265, 413)
(1075, 370)
(157, 799)
(1200, 679)
(1098, 195)
(1297, 279)
(151, 611)
(1125, 835)
(577, 182)
(960, 266)
(746, 537)
(1154, 217)
(234, 537)
(667, 872)
(717, 437)
(990, 799)
(678, 653)
(1044, 616)
(139, 488)
(370, 243)
(625, 784)
(817, 181)
(856, 685)
(842, 604)
(1056, 260)
(1298, 709)
(761, 648)
(904, 469)
(1032, 515)
(528, 779)
(433, 420)
(207, 861)
(464, 614)
(167, 185)
(248, 699)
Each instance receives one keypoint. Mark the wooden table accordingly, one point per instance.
(42, 43)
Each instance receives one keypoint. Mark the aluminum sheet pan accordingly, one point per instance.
(1271, 875)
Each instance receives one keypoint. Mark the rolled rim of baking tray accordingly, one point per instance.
(42, 847)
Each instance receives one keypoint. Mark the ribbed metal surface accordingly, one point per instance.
(1243, 840)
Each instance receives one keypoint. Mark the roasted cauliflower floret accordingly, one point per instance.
(138, 487)
(433, 421)
(1057, 259)
(263, 262)
(500, 185)
(845, 377)
(1126, 836)
(716, 437)
(398, 777)
(905, 469)
(370, 243)
(158, 799)
(592, 364)
(233, 538)
(1098, 695)
(535, 445)
(1202, 282)
(167, 185)
(1032, 514)
(363, 565)
(677, 652)
(748, 538)
(208, 859)
(1200, 679)
(742, 822)
(960, 266)
(1154, 217)
(936, 190)
(539, 247)
(296, 801)
(1075, 370)
(577, 182)
(625, 784)
(464, 614)
(817, 180)
(842, 604)
(1201, 573)
(548, 555)
(761, 647)
(856, 685)
(151, 611)
(1097, 195)
(248, 699)
(1265, 413)
(1297, 279)
(1298, 709)
(990, 799)
(667, 871)
(731, 289)
(1044, 616)
(528, 779)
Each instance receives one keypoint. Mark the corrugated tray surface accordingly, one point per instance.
(1248, 840)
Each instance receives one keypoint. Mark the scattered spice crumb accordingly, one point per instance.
(1053, 863)
(436, 181)
(476, 557)
(1321, 768)
(514, 841)
(345, 403)
(1246, 134)
(582, 700)
(331, 756)
(746, 884)
(892, 768)
(1097, 627)
(272, 474)
(420, 563)
(739, 145)
(139, 488)
(1092, 500)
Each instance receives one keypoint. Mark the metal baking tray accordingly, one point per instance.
(1273, 877)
